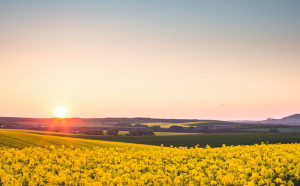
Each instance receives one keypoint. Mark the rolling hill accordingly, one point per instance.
(289, 120)
(25, 138)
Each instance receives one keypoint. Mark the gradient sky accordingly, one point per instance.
(212, 59)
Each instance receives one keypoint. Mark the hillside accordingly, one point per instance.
(122, 124)
(20, 139)
(293, 120)
(292, 117)
(92, 122)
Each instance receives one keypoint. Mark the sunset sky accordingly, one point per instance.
(211, 59)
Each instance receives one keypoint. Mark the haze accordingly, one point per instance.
(150, 58)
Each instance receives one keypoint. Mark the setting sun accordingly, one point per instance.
(60, 112)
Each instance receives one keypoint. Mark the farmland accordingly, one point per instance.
(20, 139)
(56, 160)
(168, 125)
(280, 129)
(212, 139)
(127, 126)
(124, 133)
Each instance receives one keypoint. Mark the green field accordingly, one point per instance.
(214, 140)
(174, 134)
(280, 129)
(23, 138)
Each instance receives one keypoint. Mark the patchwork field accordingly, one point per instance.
(212, 139)
(167, 125)
(42, 160)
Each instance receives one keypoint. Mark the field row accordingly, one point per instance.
(22, 138)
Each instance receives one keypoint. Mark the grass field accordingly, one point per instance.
(174, 134)
(282, 130)
(214, 140)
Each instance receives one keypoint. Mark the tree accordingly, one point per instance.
(93, 132)
(140, 125)
(156, 127)
(141, 133)
(191, 128)
(274, 130)
(176, 127)
(112, 132)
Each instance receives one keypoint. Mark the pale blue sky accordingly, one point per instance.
(218, 59)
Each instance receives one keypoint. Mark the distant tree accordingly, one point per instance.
(140, 125)
(123, 124)
(191, 128)
(176, 127)
(156, 127)
(112, 132)
(274, 130)
(93, 132)
(141, 133)
(205, 128)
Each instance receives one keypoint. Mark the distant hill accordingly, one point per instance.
(86, 122)
(79, 124)
(292, 117)
(289, 120)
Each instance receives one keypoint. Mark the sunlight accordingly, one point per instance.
(60, 112)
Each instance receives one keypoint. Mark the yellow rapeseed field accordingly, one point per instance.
(277, 164)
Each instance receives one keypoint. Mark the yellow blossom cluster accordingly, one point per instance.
(277, 164)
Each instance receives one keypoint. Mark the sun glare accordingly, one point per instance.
(60, 112)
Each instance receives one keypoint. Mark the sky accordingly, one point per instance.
(202, 59)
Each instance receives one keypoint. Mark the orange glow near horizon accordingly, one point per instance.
(60, 112)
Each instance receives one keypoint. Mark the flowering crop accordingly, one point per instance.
(277, 164)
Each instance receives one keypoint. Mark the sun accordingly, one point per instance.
(60, 112)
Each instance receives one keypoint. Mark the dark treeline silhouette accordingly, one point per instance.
(92, 132)
(141, 133)
(112, 132)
